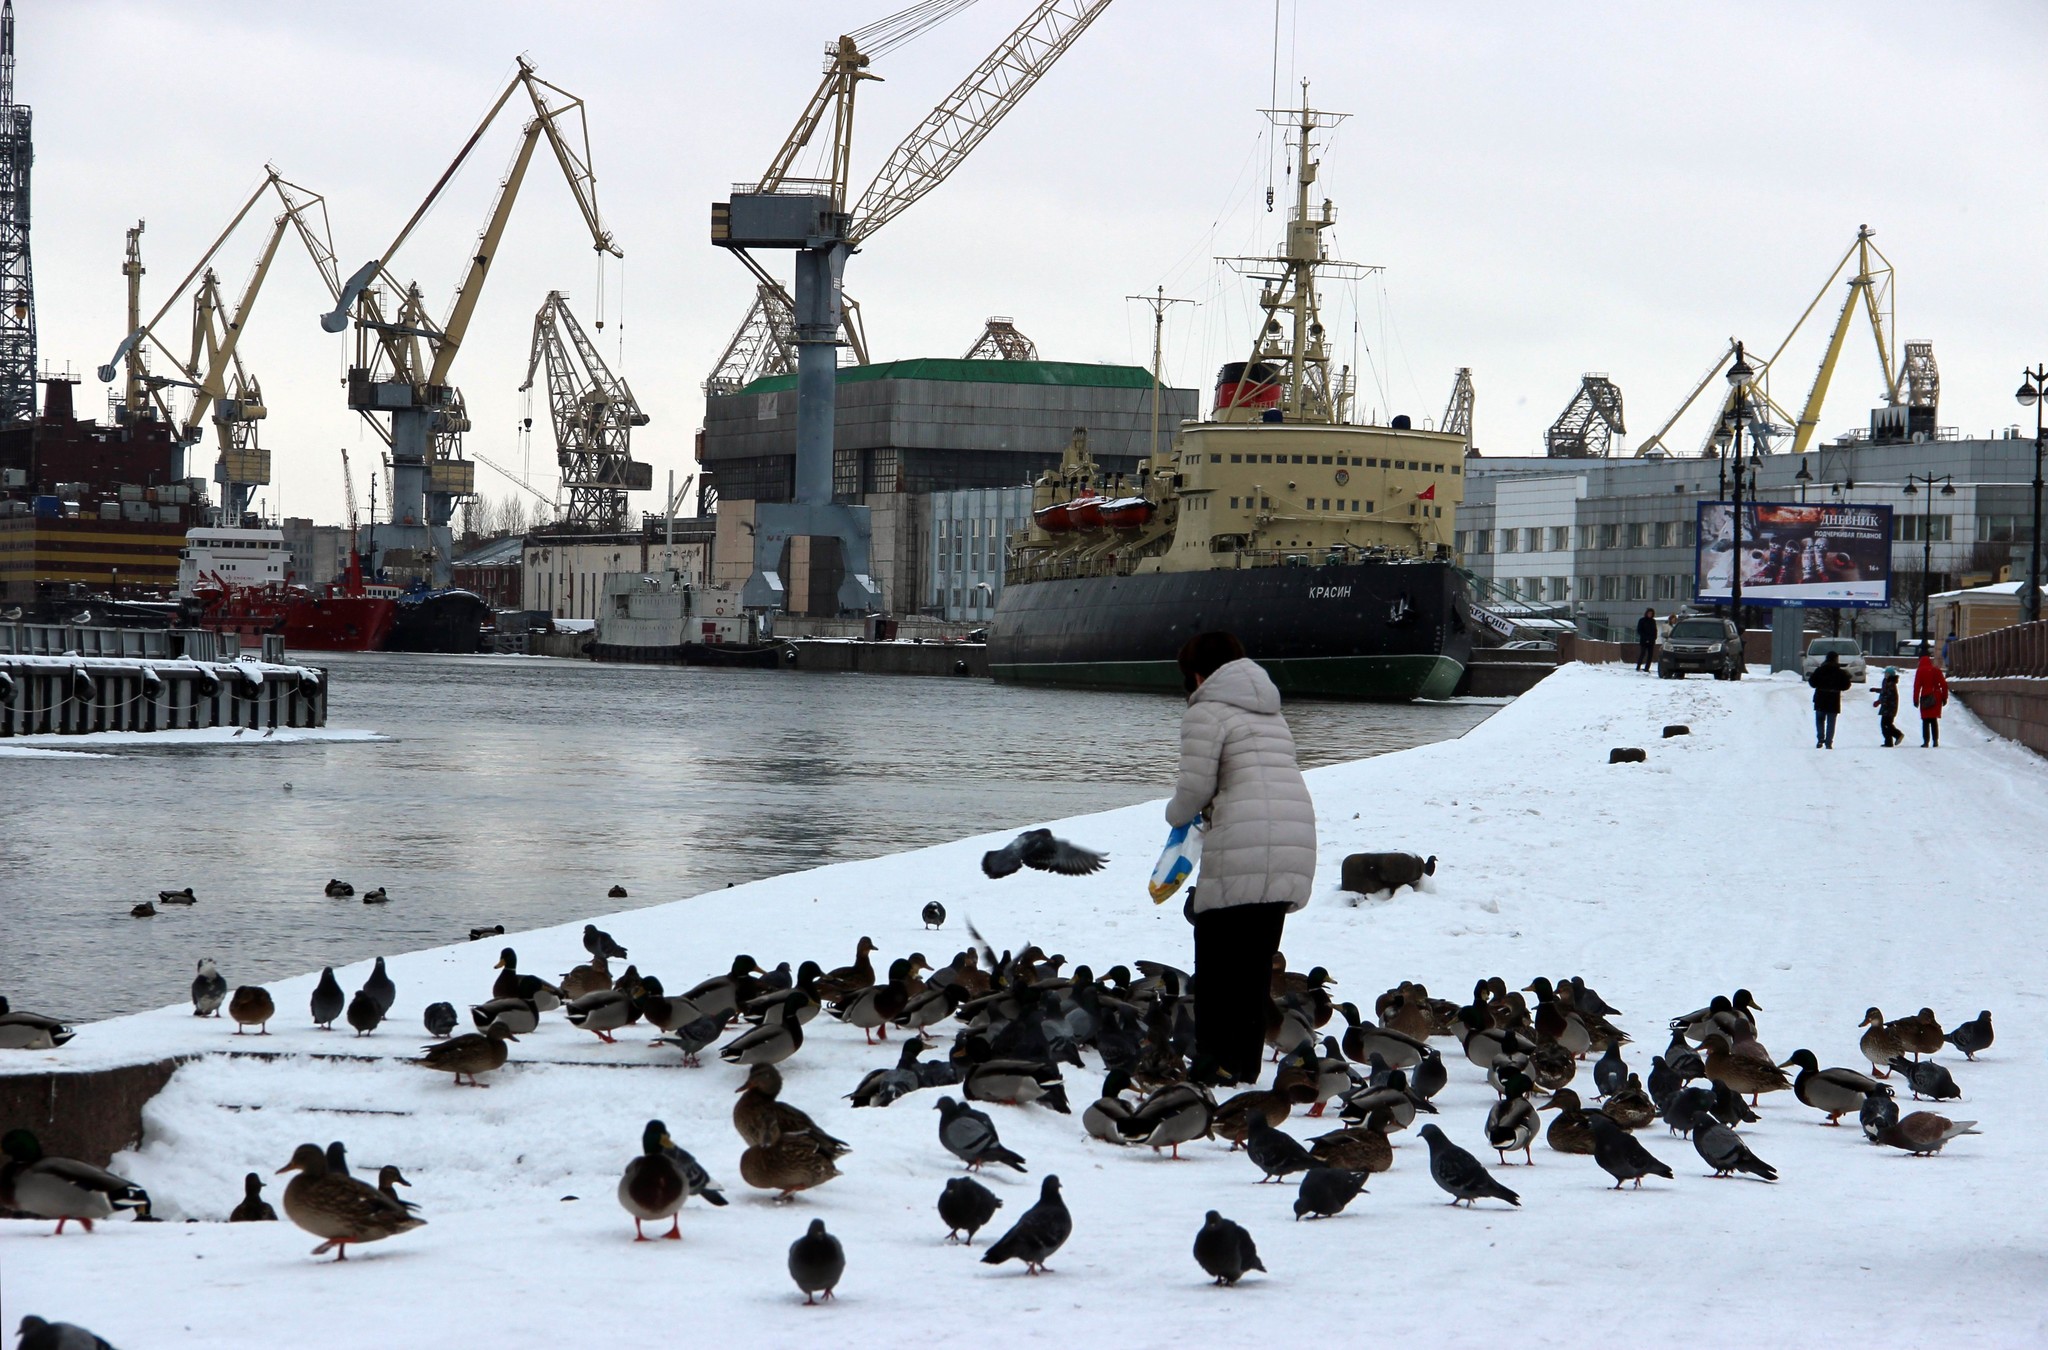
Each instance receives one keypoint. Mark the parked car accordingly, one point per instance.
(1846, 650)
(1912, 649)
(1701, 642)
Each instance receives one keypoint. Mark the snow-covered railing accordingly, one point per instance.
(2018, 650)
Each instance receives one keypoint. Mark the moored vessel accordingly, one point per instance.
(240, 581)
(1323, 543)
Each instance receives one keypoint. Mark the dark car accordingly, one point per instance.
(1701, 642)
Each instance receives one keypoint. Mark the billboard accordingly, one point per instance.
(1793, 553)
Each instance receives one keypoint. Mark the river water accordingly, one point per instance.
(518, 791)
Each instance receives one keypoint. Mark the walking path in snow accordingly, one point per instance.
(1825, 882)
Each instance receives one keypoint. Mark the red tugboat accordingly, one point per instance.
(241, 582)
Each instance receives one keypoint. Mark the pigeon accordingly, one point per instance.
(1972, 1036)
(184, 897)
(696, 1181)
(1924, 1133)
(934, 915)
(1460, 1175)
(209, 989)
(1878, 1113)
(376, 897)
(440, 1019)
(1620, 1155)
(36, 1334)
(1325, 1191)
(1730, 1109)
(365, 1012)
(966, 1205)
(1039, 850)
(1610, 1071)
(1040, 1232)
(816, 1261)
(380, 987)
(1429, 1076)
(1723, 1150)
(1276, 1152)
(328, 1000)
(600, 943)
(1225, 1251)
(1688, 1109)
(970, 1136)
(1927, 1079)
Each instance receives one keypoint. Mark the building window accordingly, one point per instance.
(1560, 538)
(1233, 503)
(1508, 540)
(1532, 540)
(1921, 529)
(1667, 588)
(1237, 459)
(1482, 540)
(1265, 503)
(1610, 536)
(2004, 529)
(1218, 459)
(1585, 536)
(1610, 588)
(1560, 589)
(1638, 535)
(1456, 469)
(1638, 588)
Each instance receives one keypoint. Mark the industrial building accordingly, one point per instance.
(1601, 540)
(906, 430)
(970, 533)
(562, 574)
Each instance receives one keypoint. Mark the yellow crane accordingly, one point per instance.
(764, 343)
(211, 369)
(1870, 294)
(402, 366)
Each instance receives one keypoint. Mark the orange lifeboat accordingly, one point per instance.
(1086, 513)
(1126, 513)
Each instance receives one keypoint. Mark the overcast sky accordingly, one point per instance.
(1552, 189)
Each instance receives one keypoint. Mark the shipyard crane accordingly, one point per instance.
(211, 369)
(1589, 423)
(1458, 412)
(402, 366)
(765, 341)
(594, 413)
(1870, 293)
(1001, 341)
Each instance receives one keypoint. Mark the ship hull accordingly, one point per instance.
(334, 622)
(449, 620)
(1382, 631)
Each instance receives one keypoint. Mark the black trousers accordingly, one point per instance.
(1930, 731)
(1233, 984)
(1646, 653)
(1890, 730)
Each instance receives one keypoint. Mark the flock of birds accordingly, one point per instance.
(336, 889)
(1019, 1019)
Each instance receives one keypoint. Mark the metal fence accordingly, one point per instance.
(2021, 649)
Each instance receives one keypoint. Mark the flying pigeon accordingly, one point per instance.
(1038, 849)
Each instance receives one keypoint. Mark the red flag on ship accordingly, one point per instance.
(1428, 494)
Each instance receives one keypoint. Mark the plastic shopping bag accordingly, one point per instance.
(1177, 861)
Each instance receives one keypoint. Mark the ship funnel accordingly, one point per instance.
(1242, 384)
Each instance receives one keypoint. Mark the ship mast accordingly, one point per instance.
(1291, 339)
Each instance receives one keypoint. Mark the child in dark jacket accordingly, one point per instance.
(1887, 704)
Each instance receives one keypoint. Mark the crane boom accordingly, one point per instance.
(964, 118)
(594, 413)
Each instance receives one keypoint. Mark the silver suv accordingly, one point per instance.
(1701, 642)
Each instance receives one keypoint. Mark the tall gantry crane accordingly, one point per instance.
(594, 413)
(1001, 340)
(402, 366)
(17, 279)
(1458, 412)
(1589, 423)
(765, 341)
(221, 388)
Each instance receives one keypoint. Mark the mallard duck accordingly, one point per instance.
(31, 1031)
(1880, 1042)
(1106, 1116)
(799, 1002)
(1630, 1107)
(252, 1007)
(1393, 1096)
(1289, 1022)
(1511, 1122)
(879, 1087)
(1015, 1082)
(964, 970)
(602, 1013)
(722, 994)
(184, 897)
(1569, 1131)
(145, 910)
(1555, 1022)
(872, 1008)
(663, 1011)
(1234, 1113)
(470, 1054)
(254, 1208)
(1333, 1075)
(389, 1179)
(1921, 1033)
(1362, 1040)
(770, 1043)
(1355, 1148)
(933, 1006)
(63, 1189)
(209, 989)
(517, 1015)
(1740, 1072)
(375, 897)
(593, 977)
(1552, 1065)
(837, 984)
(1835, 1091)
(1574, 1003)
(760, 1116)
(511, 983)
(788, 1164)
(1407, 1010)
(338, 889)
(615, 893)
(1170, 1117)
(1730, 1015)
(1485, 1042)
(340, 1210)
(652, 1186)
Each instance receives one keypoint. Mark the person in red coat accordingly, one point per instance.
(1930, 692)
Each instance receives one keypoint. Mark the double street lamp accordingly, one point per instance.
(1914, 481)
(2034, 394)
(1739, 415)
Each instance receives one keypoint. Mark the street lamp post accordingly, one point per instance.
(1738, 414)
(1804, 478)
(1948, 489)
(2034, 394)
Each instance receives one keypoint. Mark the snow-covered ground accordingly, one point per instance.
(1736, 856)
(191, 736)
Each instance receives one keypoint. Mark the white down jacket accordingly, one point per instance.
(1237, 762)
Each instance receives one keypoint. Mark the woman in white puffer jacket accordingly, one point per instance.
(1237, 766)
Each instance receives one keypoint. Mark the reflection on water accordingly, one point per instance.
(518, 791)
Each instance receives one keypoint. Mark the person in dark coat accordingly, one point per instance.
(1930, 694)
(1887, 704)
(1829, 681)
(1238, 768)
(1646, 639)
